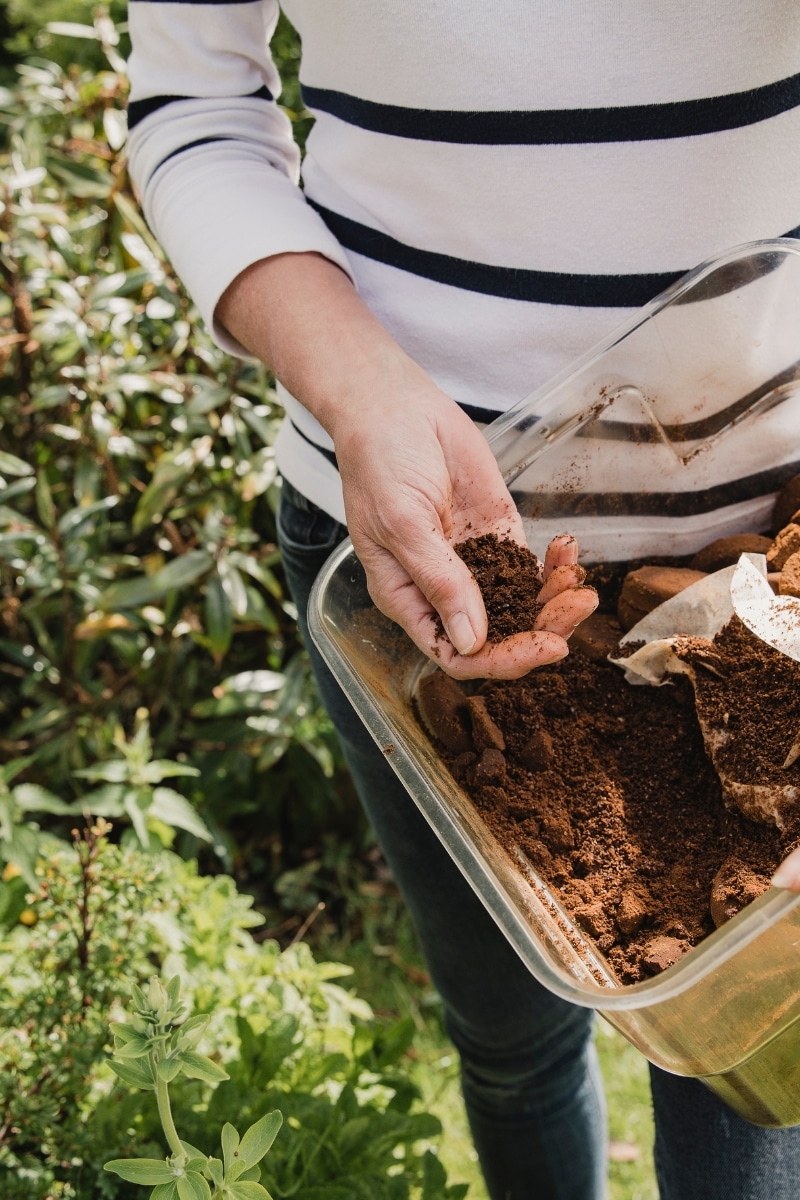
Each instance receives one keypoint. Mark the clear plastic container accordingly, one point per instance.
(700, 386)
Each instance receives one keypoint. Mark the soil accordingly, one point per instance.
(607, 788)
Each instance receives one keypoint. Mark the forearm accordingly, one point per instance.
(301, 315)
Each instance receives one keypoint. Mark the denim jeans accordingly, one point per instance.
(530, 1079)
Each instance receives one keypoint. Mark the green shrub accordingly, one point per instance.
(138, 565)
(281, 1027)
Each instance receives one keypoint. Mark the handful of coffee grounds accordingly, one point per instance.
(508, 576)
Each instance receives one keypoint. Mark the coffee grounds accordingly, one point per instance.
(509, 577)
(606, 787)
(607, 790)
(750, 693)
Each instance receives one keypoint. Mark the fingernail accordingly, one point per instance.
(788, 873)
(460, 631)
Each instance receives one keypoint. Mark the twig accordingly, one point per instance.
(309, 921)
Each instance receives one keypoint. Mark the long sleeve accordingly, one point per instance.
(211, 153)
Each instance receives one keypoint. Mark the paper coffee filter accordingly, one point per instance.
(701, 611)
(775, 619)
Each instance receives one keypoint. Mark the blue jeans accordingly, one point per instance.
(531, 1083)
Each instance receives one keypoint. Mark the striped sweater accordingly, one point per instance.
(504, 183)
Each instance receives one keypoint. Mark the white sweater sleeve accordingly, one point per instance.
(210, 152)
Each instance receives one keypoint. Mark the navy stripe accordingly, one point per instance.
(628, 123)
(654, 504)
(139, 109)
(326, 454)
(190, 146)
(482, 416)
(511, 283)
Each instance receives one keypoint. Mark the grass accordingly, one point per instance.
(389, 974)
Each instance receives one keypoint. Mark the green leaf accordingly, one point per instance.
(247, 1191)
(175, 810)
(165, 1191)
(206, 397)
(11, 465)
(234, 587)
(44, 503)
(82, 181)
(230, 1144)
(190, 1033)
(135, 593)
(141, 1170)
(32, 798)
(214, 1168)
(135, 810)
(139, 1000)
(135, 1047)
(106, 801)
(168, 1069)
(22, 849)
(132, 217)
(259, 1137)
(170, 475)
(114, 770)
(192, 1186)
(10, 770)
(20, 488)
(251, 1175)
(71, 29)
(256, 570)
(51, 396)
(13, 900)
(253, 681)
(24, 179)
(119, 283)
(219, 617)
(163, 768)
(115, 127)
(197, 1066)
(73, 521)
(389, 1045)
(125, 1030)
(136, 1073)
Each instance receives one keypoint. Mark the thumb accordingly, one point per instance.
(413, 587)
(451, 590)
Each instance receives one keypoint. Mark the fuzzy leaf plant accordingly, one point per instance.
(152, 1049)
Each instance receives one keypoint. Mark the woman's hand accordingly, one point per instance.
(417, 475)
